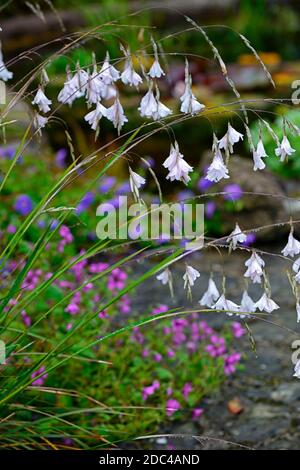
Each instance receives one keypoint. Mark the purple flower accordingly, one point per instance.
(210, 208)
(8, 152)
(23, 204)
(107, 184)
(60, 158)
(234, 191)
(251, 238)
(237, 329)
(230, 363)
(85, 202)
(197, 412)
(150, 390)
(40, 381)
(185, 194)
(204, 184)
(123, 189)
(11, 228)
(186, 390)
(172, 406)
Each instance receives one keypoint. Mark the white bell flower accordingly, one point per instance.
(115, 113)
(217, 170)
(190, 276)
(108, 72)
(285, 149)
(178, 168)
(93, 117)
(292, 247)
(237, 236)
(266, 304)
(255, 266)
(136, 181)
(230, 138)
(227, 305)
(42, 101)
(4, 73)
(211, 295)
(258, 155)
(247, 304)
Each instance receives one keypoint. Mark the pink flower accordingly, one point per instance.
(150, 390)
(217, 346)
(237, 330)
(230, 363)
(197, 412)
(186, 390)
(40, 381)
(172, 406)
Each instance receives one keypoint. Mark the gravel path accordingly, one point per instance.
(269, 395)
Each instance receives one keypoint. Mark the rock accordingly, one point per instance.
(286, 393)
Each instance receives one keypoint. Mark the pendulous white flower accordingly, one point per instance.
(164, 276)
(4, 73)
(95, 87)
(151, 107)
(227, 305)
(298, 311)
(178, 168)
(296, 265)
(115, 113)
(292, 247)
(189, 104)
(190, 276)
(108, 72)
(266, 304)
(297, 370)
(136, 181)
(285, 149)
(156, 71)
(217, 170)
(211, 295)
(237, 236)
(297, 277)
(129, 76)
(258, 155)
(39, 121)
(230, 138)
(93, 117)
(75, 87)
(42, 101)
(255, 266)
(247, 304)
